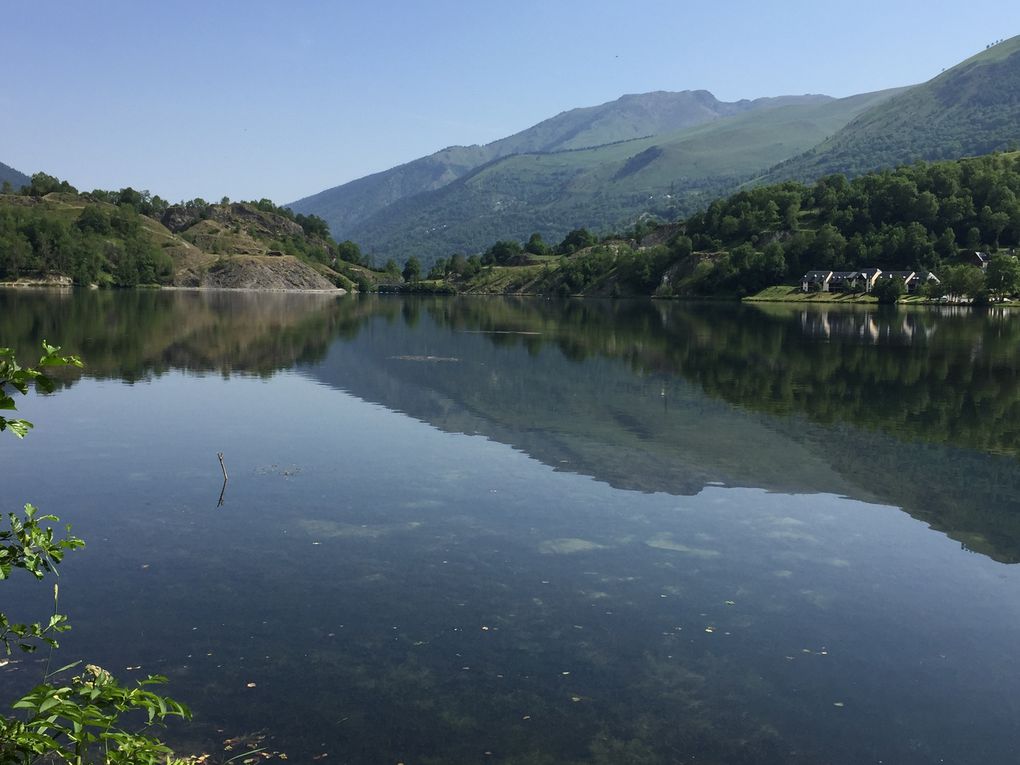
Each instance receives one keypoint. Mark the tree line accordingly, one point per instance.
(926, 217)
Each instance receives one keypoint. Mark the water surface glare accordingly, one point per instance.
(536, 532)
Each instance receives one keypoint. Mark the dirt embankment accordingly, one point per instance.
(252, 272)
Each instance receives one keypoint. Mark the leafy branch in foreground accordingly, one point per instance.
(20, 378)
(84, 719)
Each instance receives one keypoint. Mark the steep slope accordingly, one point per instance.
(973, 108)
(600, 187)
(10, 175)
(629, 117)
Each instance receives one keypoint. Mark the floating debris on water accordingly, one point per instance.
(666, 542)
(567, 546)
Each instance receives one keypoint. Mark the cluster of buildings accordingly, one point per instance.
(863, 280)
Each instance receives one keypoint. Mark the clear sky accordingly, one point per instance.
(282, 99)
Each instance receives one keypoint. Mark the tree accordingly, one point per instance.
(349, 251)
(93, 219)
(1003, 275)
(43, 184)
(88, 717)
(964, 281)
(536, 246)
(889, 290)
(576, 240)
(412, 269)
(503, 253)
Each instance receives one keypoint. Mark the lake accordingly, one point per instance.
(531, 531)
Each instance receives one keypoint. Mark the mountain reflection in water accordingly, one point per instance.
(691, 551)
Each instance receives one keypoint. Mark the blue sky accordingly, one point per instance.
(252, 99)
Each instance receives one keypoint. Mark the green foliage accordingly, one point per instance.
(536, 245)
(964, 280)
(412, 269)
(1003, 275)
(349, 252)
(18, 379)
(577, 239)
(911, 217)
(93, 246)
(888, 290)
(89, 718)
(43, 184)
(505, 253)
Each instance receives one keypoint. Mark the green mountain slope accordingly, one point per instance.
(971, 109)
(629, 117)
(10, 175)
(600, 187)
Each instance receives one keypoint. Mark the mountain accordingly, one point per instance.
(600, 187)
(970, 109)
(629, 117)
(16, 179)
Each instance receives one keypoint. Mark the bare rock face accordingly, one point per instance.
(262, 273)
(265, 224)
(177, 218)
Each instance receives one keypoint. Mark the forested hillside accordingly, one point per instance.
(971, 109)
(925, 217)
(124, 238)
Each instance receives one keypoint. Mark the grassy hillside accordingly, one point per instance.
(629, 117)
(601, 187)
(971, 109)
(101, 239)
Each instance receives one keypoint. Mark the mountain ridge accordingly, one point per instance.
(554, 192)
(629, 117)
(16, 178)
(969, 109)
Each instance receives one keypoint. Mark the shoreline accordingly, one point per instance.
(47, 285)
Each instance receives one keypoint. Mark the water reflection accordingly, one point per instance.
(920, 409)
(664, 568)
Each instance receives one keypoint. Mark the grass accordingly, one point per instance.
(794, 294)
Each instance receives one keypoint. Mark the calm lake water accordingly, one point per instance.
(516, 531)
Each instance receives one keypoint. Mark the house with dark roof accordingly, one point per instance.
(979, 259)
(844, 281)
(868, 277)
(903, 276)
(918, 280)
(816, 281)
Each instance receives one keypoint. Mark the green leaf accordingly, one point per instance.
(49, 703)
(19, 428)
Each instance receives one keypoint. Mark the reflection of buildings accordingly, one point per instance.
(864, 327)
